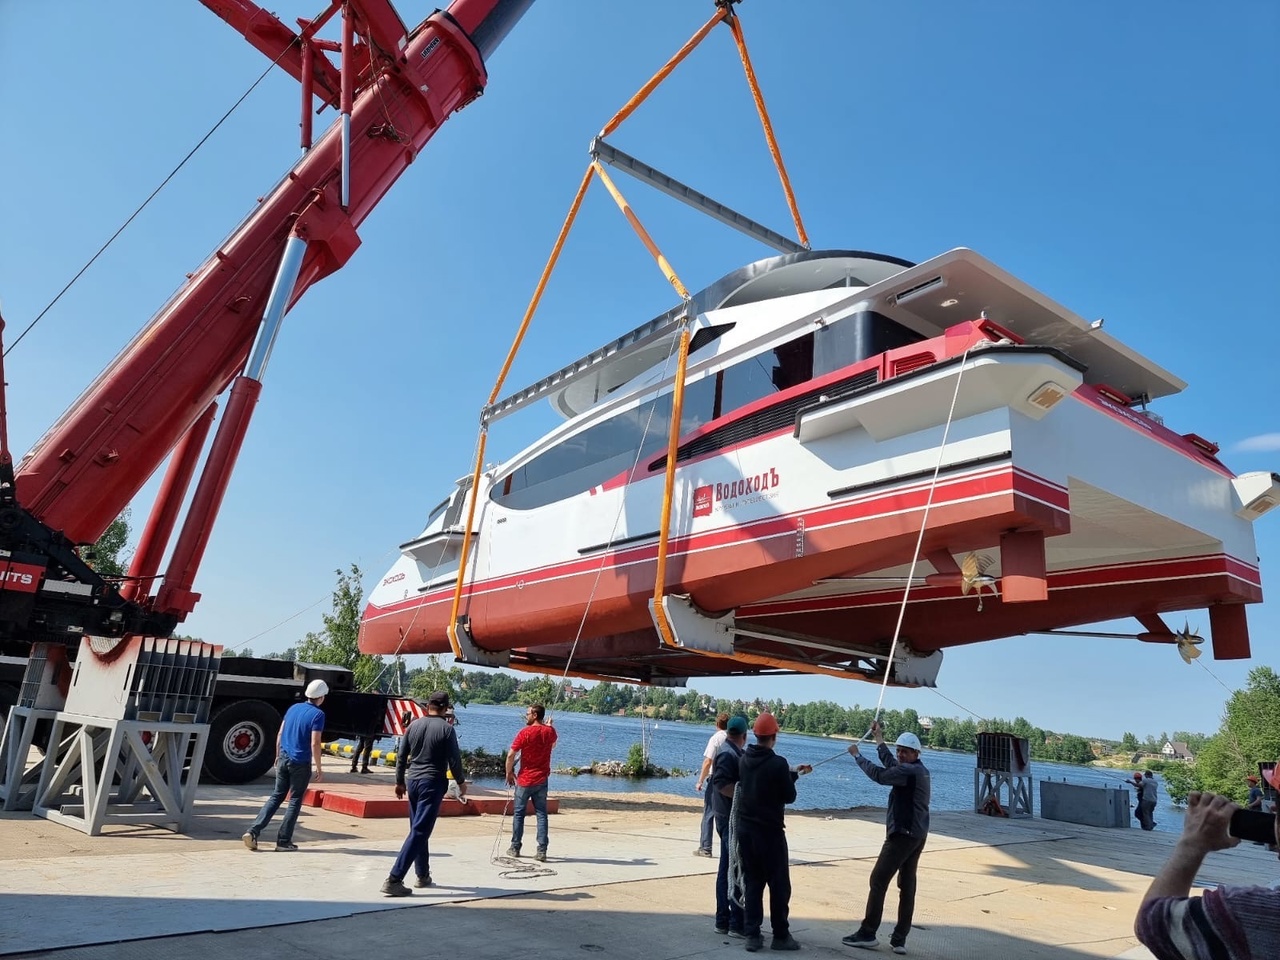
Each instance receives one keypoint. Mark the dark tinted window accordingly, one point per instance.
(589, 458)
(765, 373)
(855, 338)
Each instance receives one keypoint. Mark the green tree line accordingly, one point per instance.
(1249, 733)
(818, 718)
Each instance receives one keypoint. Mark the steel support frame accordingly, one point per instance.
(122, 779)
(19, 785)
(1012, 791)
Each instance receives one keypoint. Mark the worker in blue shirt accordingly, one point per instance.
(297, 748)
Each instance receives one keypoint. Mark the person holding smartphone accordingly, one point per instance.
(1231, 923)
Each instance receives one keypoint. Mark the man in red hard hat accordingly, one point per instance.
(766, 785)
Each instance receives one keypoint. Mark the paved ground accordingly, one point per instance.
(621, 881)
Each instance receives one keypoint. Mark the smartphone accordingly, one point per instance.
(1253, 825)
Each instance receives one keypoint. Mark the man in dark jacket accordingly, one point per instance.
(430, 747)
(1147, 802)
(720, 789)
(767, 785)
(907, 825)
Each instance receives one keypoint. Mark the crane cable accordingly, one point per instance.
(145, 203)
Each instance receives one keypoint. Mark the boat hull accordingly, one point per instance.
(789, 530)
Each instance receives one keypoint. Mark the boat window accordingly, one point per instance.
(855, 338)
(765, 373)
(454, 517)
(705, 336)
(438, 509)
(600, 452)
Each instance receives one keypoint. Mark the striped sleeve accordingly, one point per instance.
(1224, 924)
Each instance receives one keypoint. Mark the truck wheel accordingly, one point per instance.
(242, 741)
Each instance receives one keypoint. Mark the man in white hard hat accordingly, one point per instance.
(298, 746)
(907, 826)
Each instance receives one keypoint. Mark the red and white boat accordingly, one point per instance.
(832, 400)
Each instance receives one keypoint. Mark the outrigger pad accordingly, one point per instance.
(914, 669)
(460, 633)
(692, 629)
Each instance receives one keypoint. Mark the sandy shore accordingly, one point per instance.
(621, 880)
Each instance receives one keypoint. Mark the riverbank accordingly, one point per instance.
(621, 880)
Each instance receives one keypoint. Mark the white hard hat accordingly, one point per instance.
(908, 740)
(317, 689)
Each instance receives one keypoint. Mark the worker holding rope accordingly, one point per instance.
(767, 784)
(720, 788)
(532, 745)
(907, 824)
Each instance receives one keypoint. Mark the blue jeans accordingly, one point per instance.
(728, 913)
(538, 794)
(704, 838)
(292, 778)
(425, 797)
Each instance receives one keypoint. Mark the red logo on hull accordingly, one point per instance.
(703, 498)
(753, 488)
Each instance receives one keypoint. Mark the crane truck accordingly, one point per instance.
(392, 88)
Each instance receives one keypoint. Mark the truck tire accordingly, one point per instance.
(242, 741)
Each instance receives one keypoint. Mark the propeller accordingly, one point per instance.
(1188, 642)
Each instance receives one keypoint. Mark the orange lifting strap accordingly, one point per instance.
(454, 644)
(723, 13)
(736, 26)
(643, 93)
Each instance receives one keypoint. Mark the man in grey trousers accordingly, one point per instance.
(907, 825)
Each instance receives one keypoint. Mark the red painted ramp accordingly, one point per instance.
(371, 801)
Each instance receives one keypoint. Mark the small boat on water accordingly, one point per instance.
(835, 403)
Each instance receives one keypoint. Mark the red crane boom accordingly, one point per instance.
(394, 88)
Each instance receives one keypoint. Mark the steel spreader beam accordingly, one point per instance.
(605, 152)
(631, 342)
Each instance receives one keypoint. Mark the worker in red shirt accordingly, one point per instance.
(533, 745)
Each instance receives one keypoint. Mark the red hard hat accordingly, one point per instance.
(765, 726)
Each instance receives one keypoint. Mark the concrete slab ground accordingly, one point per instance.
(621, 881)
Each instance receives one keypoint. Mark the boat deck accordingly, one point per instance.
(621, 881)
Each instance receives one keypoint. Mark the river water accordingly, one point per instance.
(836, 784)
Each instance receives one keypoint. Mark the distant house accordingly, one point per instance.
(574, 693)
(1176, 750)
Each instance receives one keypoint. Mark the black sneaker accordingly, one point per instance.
(513, 851)
(754, 943)
(899, 948)
(722, 930)
(286, 847)
(395, 888)
(860, 939)
(702, 852)
(737, 934)
(423, 882)
(541, 855)
(785, 943)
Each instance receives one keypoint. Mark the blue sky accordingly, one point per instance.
(1119, 158)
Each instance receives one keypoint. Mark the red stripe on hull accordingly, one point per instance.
(727, 567)
(956, 621)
